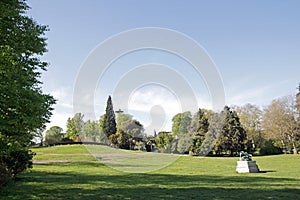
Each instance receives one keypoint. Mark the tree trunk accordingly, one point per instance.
(295, 150)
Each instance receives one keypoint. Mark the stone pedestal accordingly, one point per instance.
(247, 167)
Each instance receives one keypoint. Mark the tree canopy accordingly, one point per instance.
(75, 127)
(23, 106)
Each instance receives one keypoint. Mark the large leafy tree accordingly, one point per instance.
(75, 127)
(280, 123)
(91, 131)
(124, 140)
(123, 118)
(133, 128)
(128, 130)
(23, 106)
(250, 117)
(54, 135)
(163, 141)
(109, 121)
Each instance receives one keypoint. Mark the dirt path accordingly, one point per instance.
(49, 161)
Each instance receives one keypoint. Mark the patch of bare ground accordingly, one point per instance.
(49, 161)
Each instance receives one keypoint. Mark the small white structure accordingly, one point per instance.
(246, 164)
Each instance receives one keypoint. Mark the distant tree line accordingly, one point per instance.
(123, 132)
(272, 130)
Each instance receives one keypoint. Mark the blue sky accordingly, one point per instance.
(254, 44)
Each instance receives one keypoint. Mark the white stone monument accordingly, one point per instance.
(246, 164)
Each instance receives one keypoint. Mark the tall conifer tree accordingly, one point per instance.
(109, 122)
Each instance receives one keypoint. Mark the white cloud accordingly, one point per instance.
(63, 96)
(59, 119)
(260, 95)
(246, 96)
(155, 107)
(63, 109)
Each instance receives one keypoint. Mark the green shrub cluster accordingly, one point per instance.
(14, 158)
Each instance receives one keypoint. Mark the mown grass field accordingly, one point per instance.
(72, 172)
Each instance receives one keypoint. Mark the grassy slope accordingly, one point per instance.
(187, 178)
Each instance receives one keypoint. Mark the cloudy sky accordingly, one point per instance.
(255, 46)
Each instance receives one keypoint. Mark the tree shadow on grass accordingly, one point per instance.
(266, 171)
(81, 185)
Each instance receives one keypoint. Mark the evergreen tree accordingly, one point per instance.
(216, 123)
(233, 135)
(109, 122)
(199, 128)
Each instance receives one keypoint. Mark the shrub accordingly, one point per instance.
(4, 174)
(14, 159)
(270, 149)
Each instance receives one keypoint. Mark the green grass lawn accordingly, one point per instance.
(102, 175)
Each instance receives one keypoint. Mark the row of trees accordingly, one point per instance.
(275, 129)
(204, 132)
(125, 132)
(272, 130)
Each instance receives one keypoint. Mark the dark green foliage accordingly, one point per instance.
(4, 174)
(14, 158)
(233, 135)
(39, 136)
(133, 128)
(109, 122)
(270, 149)
(183, 144)
(199, 128)
(23, 106)
(128, 131)
(150, 143)
(114, 139)
(195, 148)
(216, 123)
(124, 140)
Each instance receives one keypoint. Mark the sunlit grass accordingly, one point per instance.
(186, 178)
